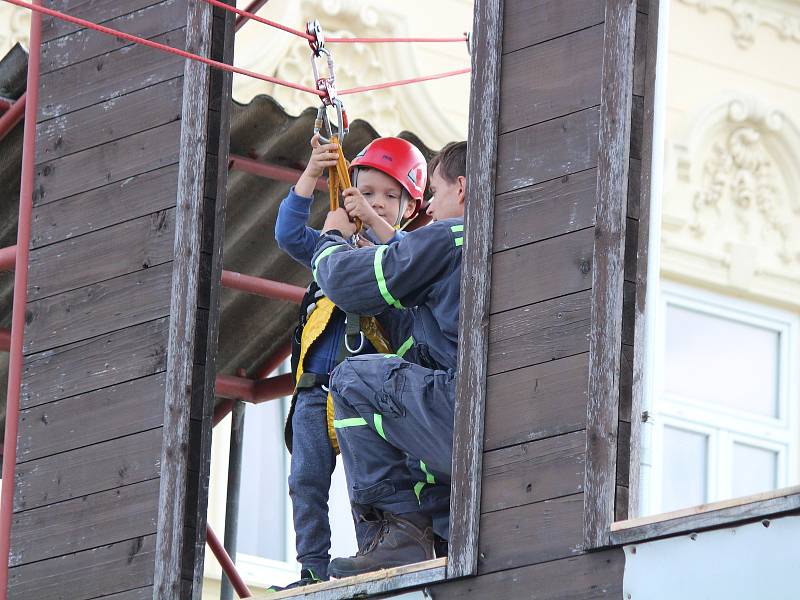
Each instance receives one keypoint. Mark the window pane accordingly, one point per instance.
(754, 470)
(262, 500)
(684, 472)
(718, 360)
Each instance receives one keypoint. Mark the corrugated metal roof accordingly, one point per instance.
(252, 328)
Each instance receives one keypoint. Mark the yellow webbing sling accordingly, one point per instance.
(316, 324)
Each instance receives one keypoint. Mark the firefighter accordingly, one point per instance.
(393, 414)
(389, 180)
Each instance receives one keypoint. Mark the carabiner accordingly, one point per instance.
(314, 28)
(360, 343)
(322, 120)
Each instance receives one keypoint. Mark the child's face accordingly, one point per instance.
(448, 197)
(384, 194)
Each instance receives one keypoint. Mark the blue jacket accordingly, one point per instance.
(298, 240)
(419, 276)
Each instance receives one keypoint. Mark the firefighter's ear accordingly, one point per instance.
(462, 188)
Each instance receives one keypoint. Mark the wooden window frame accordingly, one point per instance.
(600, 528)
(484, 108)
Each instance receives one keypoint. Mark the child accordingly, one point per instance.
(389, 178)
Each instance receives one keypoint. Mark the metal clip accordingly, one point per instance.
(322, 121)
(314, 28)
(360, 343)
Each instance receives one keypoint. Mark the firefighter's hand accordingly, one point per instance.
(357, 207)
(339, 220)
(322, 157)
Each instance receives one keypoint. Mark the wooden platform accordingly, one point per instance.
(415, 575)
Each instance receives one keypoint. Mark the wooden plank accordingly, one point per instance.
(86, 575)
(640, 55)
(643, 195)
(108, 121)
(98, 309)
(533, 472)
(545, 210)
(608, 273)
(115, 411)
(546, 269)
(84, 44)
(361, 586)
(531, 534)
(625, 383)
(592, 576)
(631, 244)
(537, 402)
(533, 21)
(621, 502)
(476, 283)
(539, 333)
(174, 545)
(637, 124)
(111, 252)
(703, 517)
(548, 150)
(551, 79)
(204, 383)
(142, 593)
(623, 453)
(107, 163)
(90, 365)
(83, 523)
(134, 197)
(107, 76)
(634, 188)
(98, 11)
(88, 470)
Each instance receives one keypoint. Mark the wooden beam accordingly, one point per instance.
(476, 281)
(605, 341)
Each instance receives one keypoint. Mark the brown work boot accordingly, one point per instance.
(400, 540)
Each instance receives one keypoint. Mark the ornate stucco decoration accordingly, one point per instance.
(390, 111)
(732, 212)
(748, 15)
(15, 25)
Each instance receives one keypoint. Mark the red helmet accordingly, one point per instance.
(400, 160)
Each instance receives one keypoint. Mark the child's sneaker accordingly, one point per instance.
(307, 577)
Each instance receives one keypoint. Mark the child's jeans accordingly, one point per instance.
(313, 461)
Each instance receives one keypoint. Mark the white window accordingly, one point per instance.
(722, 420)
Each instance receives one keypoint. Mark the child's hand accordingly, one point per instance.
(363, 242)
(357, 207)
(322, 157)
(339, 220)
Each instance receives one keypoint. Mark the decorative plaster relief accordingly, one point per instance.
(735, 195)
(15, 25)
(749, 15)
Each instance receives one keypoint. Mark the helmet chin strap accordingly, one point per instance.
(404, 198)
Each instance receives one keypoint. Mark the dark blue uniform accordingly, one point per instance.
(394, 415)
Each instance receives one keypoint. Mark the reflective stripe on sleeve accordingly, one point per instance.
(378, 265)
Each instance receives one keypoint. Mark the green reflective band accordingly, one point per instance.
(378, 265)
(418, 488)
(428, 475)
(405, 347)
(354, 422)
(457, 228)
(390, 356)
(378, 418)
(329, 250)
(459, 241)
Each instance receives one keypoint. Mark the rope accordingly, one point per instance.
(254, 17)
(162, 47)
(333, 40)
(339, 179)
(380, 86)
(219, 65)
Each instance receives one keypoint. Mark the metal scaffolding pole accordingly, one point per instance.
(20, 298)
(234, 482)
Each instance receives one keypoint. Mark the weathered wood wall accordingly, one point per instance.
(119, 344)
(554, 183)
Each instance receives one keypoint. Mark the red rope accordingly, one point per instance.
(342, 40)
(254, 17)
(164, 48)
(380, 86)
(246, 14)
